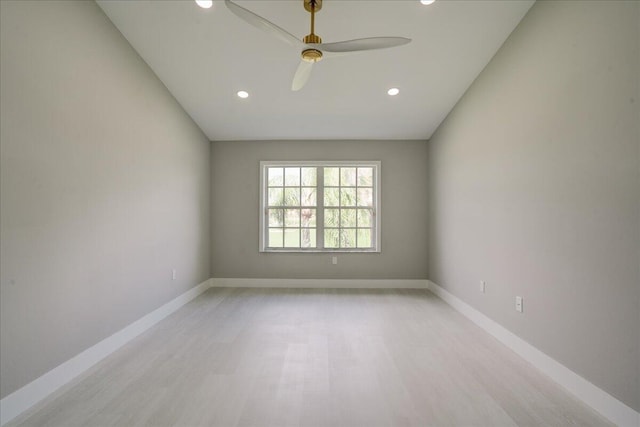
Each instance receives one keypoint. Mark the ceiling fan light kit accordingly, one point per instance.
(312, 48)
(311, 55)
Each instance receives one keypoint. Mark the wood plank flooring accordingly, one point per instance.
(313, 357)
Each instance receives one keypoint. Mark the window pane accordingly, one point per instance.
(308, 218)
(348, 218)
(365, 196)
(364, 238)
(308, 197)
(348, 238)
(365, 177)
(308, 238)
(276, 217)
(292, 177)
(331, 177)
(275, 238)
(331, 217)
(292, 217)
(348, 177)
(291, 237)
(331, 239)
(292, 196)
(275, 177)
(347, 197)
(276, 197)
(309, 177)
(331, 196)
(364, 218)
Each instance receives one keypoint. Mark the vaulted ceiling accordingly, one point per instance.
(205, 56)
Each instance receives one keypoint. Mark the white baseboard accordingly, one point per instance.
(598, 399)
(22, 399)
(320, 283)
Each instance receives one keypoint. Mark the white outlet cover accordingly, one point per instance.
(519, 304)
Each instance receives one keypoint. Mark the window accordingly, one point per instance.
(320, 206)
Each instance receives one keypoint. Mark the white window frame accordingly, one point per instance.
(263, 221)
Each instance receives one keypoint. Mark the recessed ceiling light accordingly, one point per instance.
(243, 94)
(427, 2)
(205, 4)
(393, 91)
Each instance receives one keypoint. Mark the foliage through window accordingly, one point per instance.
(320, 206)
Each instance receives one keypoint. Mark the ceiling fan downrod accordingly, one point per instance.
(312, 55)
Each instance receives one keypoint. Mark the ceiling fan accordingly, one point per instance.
(311, 46)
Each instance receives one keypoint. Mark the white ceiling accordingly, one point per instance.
(204, 56)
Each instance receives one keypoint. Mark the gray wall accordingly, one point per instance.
(235, 211)
(534, 186)
(104, 187)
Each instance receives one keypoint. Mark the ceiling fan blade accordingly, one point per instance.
(302, 75)
(263, 24)
(357, 45)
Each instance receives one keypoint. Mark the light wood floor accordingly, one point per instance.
(292, 357)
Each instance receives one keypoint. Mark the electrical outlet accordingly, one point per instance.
(483, 286)
(174, 274)
(334, 260)
(519, 304)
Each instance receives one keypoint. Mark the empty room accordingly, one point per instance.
(319, 213)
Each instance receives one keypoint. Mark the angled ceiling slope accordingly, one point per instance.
(205, 56)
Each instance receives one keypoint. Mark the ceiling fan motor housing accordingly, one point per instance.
(312, 55)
